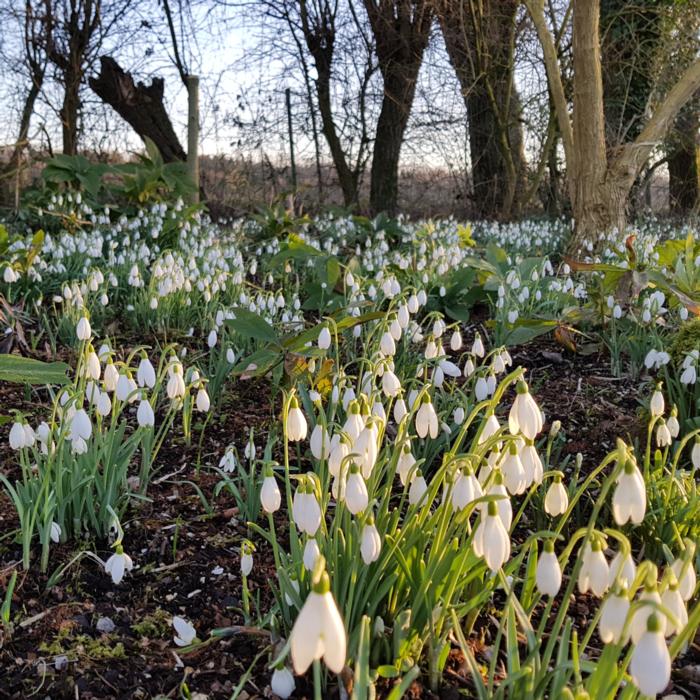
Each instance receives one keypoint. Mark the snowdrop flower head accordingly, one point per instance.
(282, 682)
(525, 415)
(270, 495)
(185, 633)
(548, 574)
(630, 497)
(650, 665)
(318, 632)
(118, 564)
(556, 500)
(296, 422)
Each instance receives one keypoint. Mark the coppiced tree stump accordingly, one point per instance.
(140, 105)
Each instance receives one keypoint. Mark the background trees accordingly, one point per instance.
(496, 102)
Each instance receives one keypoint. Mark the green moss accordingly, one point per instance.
(687, 338)
(157, 624)
(83, 645)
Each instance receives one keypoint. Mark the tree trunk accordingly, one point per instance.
(684, 162)
(69, 112)
(399, 88)
(140, 105)
(478, 42)
(193, 133)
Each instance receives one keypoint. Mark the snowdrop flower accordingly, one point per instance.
(118, 564)
(111, 376)
(684, 570)
(513, 472)
(478, 346)
(246, 559)
(426, 419)
(339, 450)
(387, 344)
(650, 665)
(458, 415)
(55, 532)
(356, 497)
(18, 436)
(320, 442)
(456, 341)
(145, 374)
(622, 569)
(311, 554)
(548, 573)
(672, 600)
(391, 384)
(525, 415)
(630, 497)
(672, 423)
(613, 615)
(175, 388)
(270, 496)
(663, 434)
(202, 401)
(318, 631)
(354, 422)
(418, 488)
(594, 573)
(532, 464)
(83, 330)
(639, 620)
(468, 367)
(401, 411)
(556, 500)
(282, 682)
(296, 423)
(228, 461)
(81, 426)
(481, 389)
(324, 338)
(491, 540)
(405, 463)
(212, 338)
(656, 404)
(466, 489)
(144, 415)
(306, 511)
(371, 544)
(185, 633)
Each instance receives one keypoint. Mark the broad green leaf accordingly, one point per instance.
(251, 325)
(25, 370)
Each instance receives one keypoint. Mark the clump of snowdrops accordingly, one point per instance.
(392, 559)
(95, 451)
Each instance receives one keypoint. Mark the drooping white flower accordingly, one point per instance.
(556, 500)
(144, 414)
(613, 614)
(478, 346)
(532, 464)
(270, 496)
(118, 564)
(684, 571)
(426, 419)
(663, 434)
(81, 425)
(525, 415)
(371, 542)
(311, 554)
(246, 560)
(594, 572)
(82, 329)
(630, 496)
(656, 404)
(17, 436)
(391, 384)
(622, 569)
(320, 442)
(324, 338)
(282, 682)
(548, 573)
(306, 511)
(650, 665)
(418, 488)
(466, 489)
(185, 633)
(318, 631)
(400, 411)
(387, 344)
(513, 471)
(356, 496)
(642, 614)
(481, 389)
(55, 532)
(353, 423)
(202, 401)
(296, 422)
(673, 601)
(146, 374)
(491, 540)
(228, 461)
(339, 450)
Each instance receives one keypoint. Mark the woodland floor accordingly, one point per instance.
(56, 650)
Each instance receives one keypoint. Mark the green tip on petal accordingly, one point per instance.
(323, 585)
(549, 546)
(492, 508)
(521, 387)
(653, 624)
